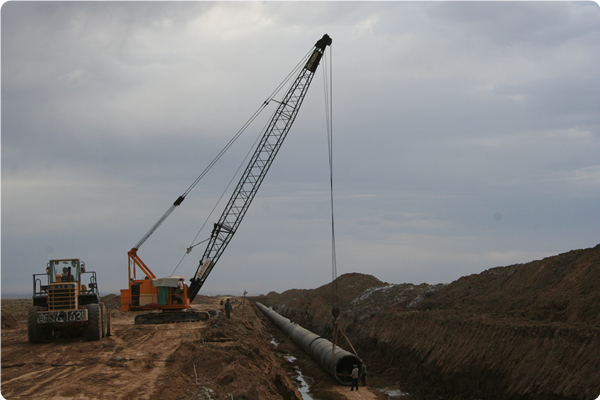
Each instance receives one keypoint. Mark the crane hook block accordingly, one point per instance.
(335, 312)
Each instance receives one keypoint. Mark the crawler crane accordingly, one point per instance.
(164, 297)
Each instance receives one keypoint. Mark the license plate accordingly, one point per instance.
(50, 317)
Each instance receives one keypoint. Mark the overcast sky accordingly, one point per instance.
(465, 136)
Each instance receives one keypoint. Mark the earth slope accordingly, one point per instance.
(526, 331)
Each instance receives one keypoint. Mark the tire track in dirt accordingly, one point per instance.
(219, 358)
(134, 361)
(146, 365)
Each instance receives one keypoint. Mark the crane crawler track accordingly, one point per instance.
(171, 317)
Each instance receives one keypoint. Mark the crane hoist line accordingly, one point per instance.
(166, 297)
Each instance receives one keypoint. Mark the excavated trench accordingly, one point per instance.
(338, 362)
(522, 332)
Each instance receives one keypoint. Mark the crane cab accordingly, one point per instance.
(155, 294)
(148, 292)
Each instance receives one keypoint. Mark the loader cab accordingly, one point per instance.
(60, 271)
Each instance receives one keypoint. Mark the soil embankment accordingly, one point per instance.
(527, 331)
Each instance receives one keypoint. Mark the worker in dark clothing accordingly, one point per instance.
(228, 308)
(178, 298)
(354, 377)
(363, 373)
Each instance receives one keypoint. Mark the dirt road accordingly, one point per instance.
(134, 363)
(216, 359)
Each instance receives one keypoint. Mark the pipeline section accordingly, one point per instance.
(339, 365)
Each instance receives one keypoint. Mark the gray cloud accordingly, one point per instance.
(466, 135)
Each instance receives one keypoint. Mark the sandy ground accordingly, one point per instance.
(523, 331)
(215, 359)
(130, 364)
(362, 393)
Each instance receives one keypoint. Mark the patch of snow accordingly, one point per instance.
(303, 386)
(367, 293)
(422, 296)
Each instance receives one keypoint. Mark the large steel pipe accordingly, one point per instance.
(339, 365)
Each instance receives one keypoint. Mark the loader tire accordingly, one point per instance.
(104, 319)
(93, 329)
(35, 333)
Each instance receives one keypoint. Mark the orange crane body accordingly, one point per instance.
(170, 296)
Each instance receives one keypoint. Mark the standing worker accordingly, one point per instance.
(228, 309)
(363, 373)
(354, 377)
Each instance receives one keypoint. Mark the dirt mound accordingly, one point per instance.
(233, 358)
(9, 322)
(314, 307)
(563, 288)
(201, 299)
(527, 331)
(112, 301)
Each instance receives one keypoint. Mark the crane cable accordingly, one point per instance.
(335, 311)
(292, 73)
(328, 88)
(243, 128)
(219, 155)
(210, 165)
(192, 245)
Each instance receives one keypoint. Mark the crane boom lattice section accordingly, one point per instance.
(257, 168)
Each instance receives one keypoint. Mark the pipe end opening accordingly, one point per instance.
(344, 367)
